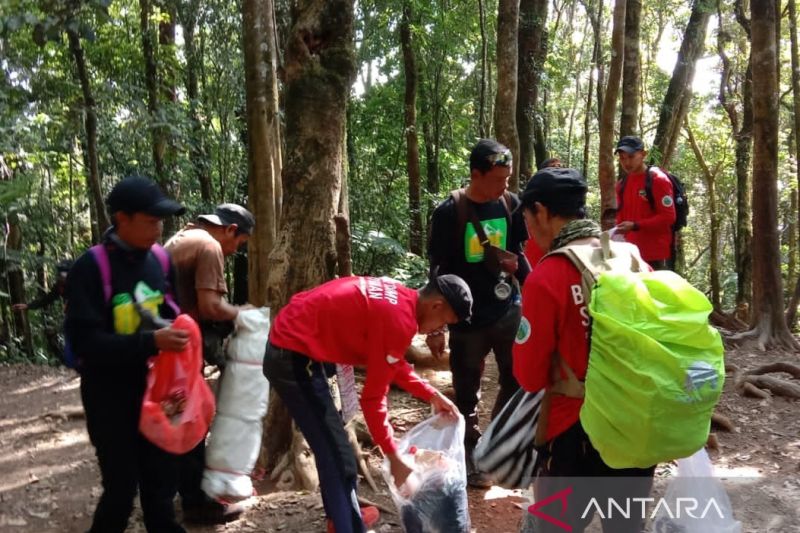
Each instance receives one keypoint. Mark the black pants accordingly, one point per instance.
(302, 385)
(127, 460)
(570, 466)
(468, 351)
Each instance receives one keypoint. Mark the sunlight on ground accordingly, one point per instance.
(66, 383)
(726, 472)
(498, 493)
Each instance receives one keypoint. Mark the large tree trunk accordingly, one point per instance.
(676, 100)
(319, 70)
(90, 123)
(608, 197)
(594, 19)
(532, 55)
(768, 323)
(505, 110)
(197, 147)
(415, 237)
(795, 127)
(631, 72)
(263, 139)
(16, 281)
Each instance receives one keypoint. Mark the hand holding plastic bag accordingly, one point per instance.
(433, 499)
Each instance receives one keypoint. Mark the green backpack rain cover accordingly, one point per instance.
(656, 366)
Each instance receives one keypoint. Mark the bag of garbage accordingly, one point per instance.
(696, 501)
(235, 438)
(434, 497)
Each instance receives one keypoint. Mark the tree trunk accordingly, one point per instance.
(768, 322)
(415, 237)
(631, 73)
(742, 127)
(197, 147)
(483, 130)
(608, 197)
(318, 72)
(263, 139)
(532, 55)
(505, 110)
(16, 281)
(796, 121)
(711, 194)
(90, 123)
(676, 100)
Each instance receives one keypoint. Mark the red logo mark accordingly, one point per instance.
(560, 495)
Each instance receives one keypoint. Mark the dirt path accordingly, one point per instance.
(49, 480)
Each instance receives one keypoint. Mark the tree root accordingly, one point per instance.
(363, 502)
(362, 463)
(777, 386)
(753, 383)
(787, 368)
(749, 390)
(722, 422)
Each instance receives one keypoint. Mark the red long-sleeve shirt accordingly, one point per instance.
(532, 252)
(554, 319)
(654, 236)
(361, 321)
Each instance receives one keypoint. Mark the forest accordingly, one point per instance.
(259, 101)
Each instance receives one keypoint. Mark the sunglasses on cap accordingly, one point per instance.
(502, 159)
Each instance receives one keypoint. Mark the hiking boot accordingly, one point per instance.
(211, 512)
(369, 515)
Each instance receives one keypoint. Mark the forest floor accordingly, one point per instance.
(49, 481)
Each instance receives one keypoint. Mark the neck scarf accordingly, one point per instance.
(575, 229)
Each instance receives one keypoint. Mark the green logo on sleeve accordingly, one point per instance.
(497, 232)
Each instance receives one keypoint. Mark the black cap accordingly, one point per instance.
(227, 214)
(488, 153)
(137, 194)
(564, 187)
(456, 291)
(629, 144)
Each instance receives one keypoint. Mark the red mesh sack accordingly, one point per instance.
(178, 404)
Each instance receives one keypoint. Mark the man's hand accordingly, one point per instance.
(442, 405)
(435, 344)
(399, 469)
(625, 227)
(19, 307)
(171, 339)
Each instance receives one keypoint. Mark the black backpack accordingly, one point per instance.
(679, 197)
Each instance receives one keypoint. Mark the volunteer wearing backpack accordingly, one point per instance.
(555, 321)
(199, 252)
(646, 224)
(113, 352)
(366, 322)
(455, 247)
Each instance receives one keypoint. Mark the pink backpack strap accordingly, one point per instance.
(100, 255)
(163, 259)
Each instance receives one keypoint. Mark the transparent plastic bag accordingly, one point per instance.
(696, 501)
(434, 498)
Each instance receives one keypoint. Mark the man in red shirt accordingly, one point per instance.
(361, 321)
(645, 221)
(555, 320)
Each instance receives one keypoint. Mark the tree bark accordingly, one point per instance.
(742, 128)
(197, 146)
(631, 72)
(795, 124)
(608, 197)
(483, 130)
(415, 237)
(263, 139)
(90, 123)
(318, 72)
(16, 281)
(676, 100)
(768, 322)
(505, 110)
(713, 214)
(532, 55)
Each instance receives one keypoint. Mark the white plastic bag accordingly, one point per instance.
(696, 501)
(235, 437)
(434, 498)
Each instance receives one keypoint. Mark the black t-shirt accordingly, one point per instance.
(457, 251)
(104, 335)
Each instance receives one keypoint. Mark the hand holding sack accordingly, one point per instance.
(178, 405)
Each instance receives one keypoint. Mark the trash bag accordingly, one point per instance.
(505, 450)
(235, 438)
(696, 485)
(178, 405)
(434, 498)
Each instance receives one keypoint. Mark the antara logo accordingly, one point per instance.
(560, 495)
